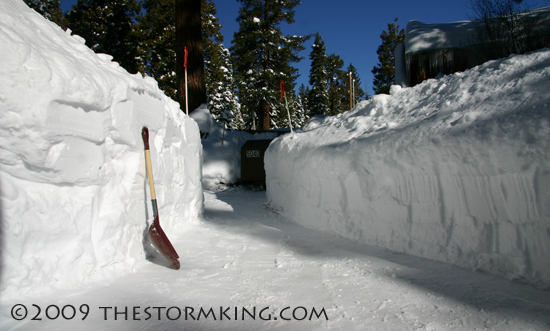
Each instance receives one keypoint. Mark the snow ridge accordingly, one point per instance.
(455, 169)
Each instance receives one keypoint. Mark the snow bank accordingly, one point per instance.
(455, 169)
(221, 163)
(74, 198)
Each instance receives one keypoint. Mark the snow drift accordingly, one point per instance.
(455, 169)
(74, 198)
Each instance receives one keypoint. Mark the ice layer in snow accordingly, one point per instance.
(75, 201)
(455, 169)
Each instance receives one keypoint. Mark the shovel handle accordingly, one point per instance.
(145, 135)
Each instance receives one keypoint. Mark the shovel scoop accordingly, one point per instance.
(157, 235)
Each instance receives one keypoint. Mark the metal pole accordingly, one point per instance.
(283, 94)
(288, 111)
(354, 92)
(223, 135)
(350, 93)
(186, 95)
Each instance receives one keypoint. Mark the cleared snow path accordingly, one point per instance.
(244, 256)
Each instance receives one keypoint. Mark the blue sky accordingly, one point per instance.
(350, 28)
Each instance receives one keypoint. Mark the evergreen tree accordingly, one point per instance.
(211, 28)
(109, 27)
(356, 88)
(158, 26)
(318, 99)
(300, 115)
(50, 9)
(336, 76)
(222, 100)
(303, 95)
(220, 84)
(384, 71)
(262, 57)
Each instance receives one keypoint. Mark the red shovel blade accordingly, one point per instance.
(163, 245)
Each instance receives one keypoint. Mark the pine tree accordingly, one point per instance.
(158, 27)
(318, 99)
(108, 27)
(384, 71)
(301, 112)
(50, 9)
(356, 88)
(336, 76)
(262, 57)
(220, 84)
(222, 100)
(211, 28)
(303, 95)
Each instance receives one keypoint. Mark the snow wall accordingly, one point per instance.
(455, 169)
(75, 200)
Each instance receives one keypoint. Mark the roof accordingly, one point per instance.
(422, 37)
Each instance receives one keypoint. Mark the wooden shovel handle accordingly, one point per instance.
(145, 135)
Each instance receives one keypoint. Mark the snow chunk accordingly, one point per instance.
(203, 118)
(394, 89)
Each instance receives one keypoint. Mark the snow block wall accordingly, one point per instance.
(75, 201)
(455, 169)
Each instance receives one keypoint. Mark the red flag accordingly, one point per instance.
(185, 58)
(282, 89)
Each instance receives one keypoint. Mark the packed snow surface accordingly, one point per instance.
(243, 256)
(455, 170)
(74, 198)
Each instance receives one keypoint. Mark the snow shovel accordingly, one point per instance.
(157, 235)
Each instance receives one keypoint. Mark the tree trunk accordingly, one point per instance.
(189, 34)
(265, 121)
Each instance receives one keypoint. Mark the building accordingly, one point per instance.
(432, 50)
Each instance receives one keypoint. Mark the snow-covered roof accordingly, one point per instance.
(425, 37)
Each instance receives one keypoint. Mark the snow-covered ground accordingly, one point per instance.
(455, 169)
(243, 255)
